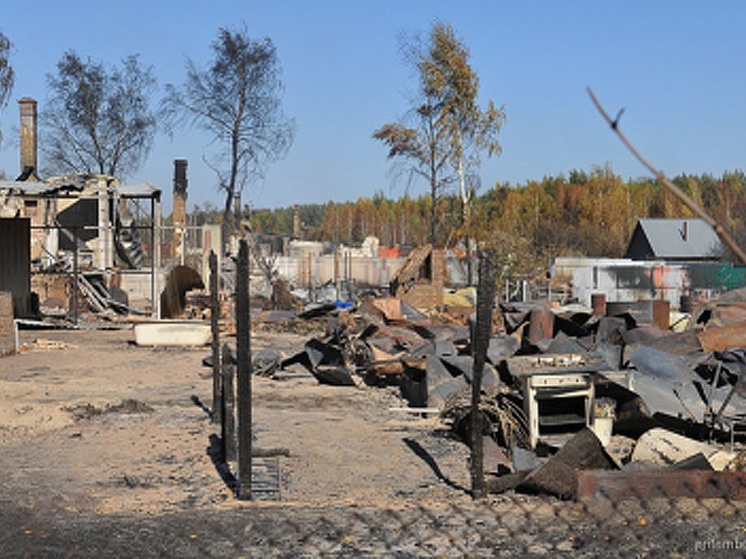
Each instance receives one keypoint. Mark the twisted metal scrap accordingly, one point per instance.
(507, 421)
(661, 178)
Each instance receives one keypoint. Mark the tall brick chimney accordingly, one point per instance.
(29, 166)
(296, 221)
(179, 212)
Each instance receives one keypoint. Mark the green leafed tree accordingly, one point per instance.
(422, 151)
(445, 132)
(98, 119)
(418, 142)
(448, 76)
(236, 99)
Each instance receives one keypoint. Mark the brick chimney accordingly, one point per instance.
(296, 222)
(29, 165)
(179, 211)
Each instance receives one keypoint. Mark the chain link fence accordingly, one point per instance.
(505, 526)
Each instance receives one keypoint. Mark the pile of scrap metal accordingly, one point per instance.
(617, 407)
(564, 390)
(385, 342)
(378, 342)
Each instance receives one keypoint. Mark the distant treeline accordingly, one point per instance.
(583, 214)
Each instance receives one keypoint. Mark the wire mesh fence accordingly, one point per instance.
(507, 526)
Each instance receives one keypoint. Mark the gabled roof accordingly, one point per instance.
(674, 239)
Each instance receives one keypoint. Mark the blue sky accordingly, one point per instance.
(676, 66)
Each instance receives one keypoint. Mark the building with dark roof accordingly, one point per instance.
(687, 239)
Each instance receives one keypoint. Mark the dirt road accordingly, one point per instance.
(91, 422)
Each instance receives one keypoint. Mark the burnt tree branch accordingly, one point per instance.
(663, 180)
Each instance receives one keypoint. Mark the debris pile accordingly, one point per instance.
(563, 390)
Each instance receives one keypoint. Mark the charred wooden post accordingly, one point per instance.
(243, 350)
(217, 411)
(228, 429)
(75, 276)
(480, 341)
(311, 296)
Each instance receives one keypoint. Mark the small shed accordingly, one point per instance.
(688, 239)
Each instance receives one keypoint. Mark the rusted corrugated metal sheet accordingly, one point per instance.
(655, 312)
(615, 486)
(725, 315)
(724, 337)
(558, 475)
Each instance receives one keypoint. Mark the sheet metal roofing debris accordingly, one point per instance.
(724, 337)
(664, 448)
(564, 390)
(325, 361)
(615, 486)
(558, 476)
(667, 384)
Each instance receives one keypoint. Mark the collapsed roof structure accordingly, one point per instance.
(81, 221)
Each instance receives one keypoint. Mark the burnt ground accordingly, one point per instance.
(104, 452)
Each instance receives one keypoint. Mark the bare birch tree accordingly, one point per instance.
(98, 120)
(236, 99)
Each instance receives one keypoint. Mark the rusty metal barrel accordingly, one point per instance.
(598, 304)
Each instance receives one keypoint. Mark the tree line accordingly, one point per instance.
(585, 214)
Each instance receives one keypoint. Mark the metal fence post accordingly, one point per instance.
(481, 340)
(243, 349)
(217, 412)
